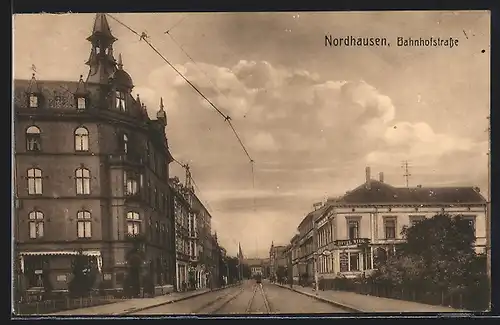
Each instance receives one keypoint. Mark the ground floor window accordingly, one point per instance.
(349, 261)
(368, 260)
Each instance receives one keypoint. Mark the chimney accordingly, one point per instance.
(367, 174)
(381, 177)
(367, 171)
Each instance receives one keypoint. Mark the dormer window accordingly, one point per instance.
(33, 101)
(120, 101)
(81, 103)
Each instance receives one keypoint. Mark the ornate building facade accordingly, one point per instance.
(349, 235)
(91, 172)
(196, 248)
(185, 233)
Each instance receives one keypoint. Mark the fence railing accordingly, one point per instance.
(469, 299)
(55, 305)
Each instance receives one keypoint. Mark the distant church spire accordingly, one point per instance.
(101, 61)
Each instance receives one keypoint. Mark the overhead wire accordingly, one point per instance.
(220, 92)
(227, 118)
(144, 37)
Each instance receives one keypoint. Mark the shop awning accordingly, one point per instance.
(97, 254)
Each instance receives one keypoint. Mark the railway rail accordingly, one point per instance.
(252, 307)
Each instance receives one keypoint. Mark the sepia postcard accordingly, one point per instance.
(258, 163)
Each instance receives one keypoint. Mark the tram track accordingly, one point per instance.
(253, 306)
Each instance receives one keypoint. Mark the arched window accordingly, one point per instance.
(84, 224)
(133, 223)
(82, 176)
(125, 143)
(33, 139)
(36, 224)
(81, 139)
(35, 181)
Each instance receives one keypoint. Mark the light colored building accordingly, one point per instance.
(364, 226)
(184, 232)
(255, 265)
(196, 248)
(294, 251)
(304, 244)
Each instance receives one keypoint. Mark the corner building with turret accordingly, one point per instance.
(91, 174)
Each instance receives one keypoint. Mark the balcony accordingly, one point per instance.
(352, 242)
(125, 159)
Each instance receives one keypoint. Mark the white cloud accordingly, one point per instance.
(295, 111)
(263, 141)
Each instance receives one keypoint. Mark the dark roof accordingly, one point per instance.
(313, 215)
(101, 27)
(378, 192)
(122, 78)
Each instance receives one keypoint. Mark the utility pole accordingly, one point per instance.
(188, 177)
(406, 175)
(488, 215)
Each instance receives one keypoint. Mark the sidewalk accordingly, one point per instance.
(129, 306)
(355, 302)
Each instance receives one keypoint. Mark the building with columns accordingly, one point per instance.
(364, 226)
(91, 172)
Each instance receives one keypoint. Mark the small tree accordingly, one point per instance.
(281, 274)
(47, 283)
(437, 256)
(83, 276)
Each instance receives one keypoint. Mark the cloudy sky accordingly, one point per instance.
(312, 117)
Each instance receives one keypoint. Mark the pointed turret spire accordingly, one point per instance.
(33, 87)
(81, 89)
(101, 28)
(101, 61)
(161, 115)
(120, 62)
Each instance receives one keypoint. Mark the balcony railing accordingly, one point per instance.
(125, 158)
(352, 242)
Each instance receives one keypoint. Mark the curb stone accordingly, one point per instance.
(135, 310)
(317, 297)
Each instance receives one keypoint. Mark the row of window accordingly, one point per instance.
(325, 235)
(82, 185)
(35, 181)
(84, 224)
(81, 138)
(81, 143)
(81, 102)
(34, 102)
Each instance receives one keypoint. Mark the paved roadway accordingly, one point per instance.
(249, 298)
